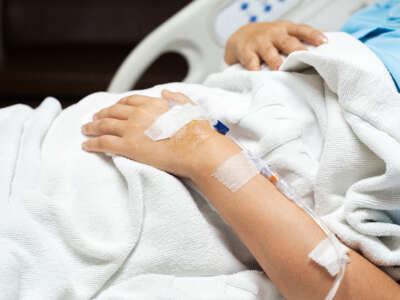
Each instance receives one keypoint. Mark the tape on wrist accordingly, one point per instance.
(169, 123)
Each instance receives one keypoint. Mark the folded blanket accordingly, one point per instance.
(75, 225)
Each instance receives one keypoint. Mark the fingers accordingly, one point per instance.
(179, 98)
(270, 55)
(250, 60)
(117, 111)
(104, 127)
(247, 58)
(288, 44)
(308, 34)
(105, 144)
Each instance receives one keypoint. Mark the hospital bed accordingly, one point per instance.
(200, 30)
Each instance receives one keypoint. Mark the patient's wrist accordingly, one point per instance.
(212, 155)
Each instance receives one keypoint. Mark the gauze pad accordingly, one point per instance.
(173, 120)
(236, 171)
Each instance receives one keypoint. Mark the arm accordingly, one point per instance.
(280, 236)
(255, 43)
(278, 233)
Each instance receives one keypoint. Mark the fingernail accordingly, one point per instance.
(84, 146)
(95, 116)
(83, 128)
(323, 38)
(254, 67)
(275, 66)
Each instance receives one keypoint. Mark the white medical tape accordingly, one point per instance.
(236, 171)
(173, 120)
(325, 255)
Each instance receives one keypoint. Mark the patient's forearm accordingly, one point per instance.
(280, 236)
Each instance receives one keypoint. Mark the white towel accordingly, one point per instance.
(76, 225)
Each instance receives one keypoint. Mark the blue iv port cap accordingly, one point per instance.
(221, 128)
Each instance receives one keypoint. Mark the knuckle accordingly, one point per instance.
(133, 96)
(286, 41)
(276, 31)
(125, 99)
(285, 23)
(269, 49)
(260, 38)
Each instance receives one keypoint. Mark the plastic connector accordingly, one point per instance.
(221, 128)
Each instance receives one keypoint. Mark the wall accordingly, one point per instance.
(70, 48)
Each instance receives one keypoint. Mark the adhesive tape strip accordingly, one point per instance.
(325, 255)
(236, 171)
(173, 120)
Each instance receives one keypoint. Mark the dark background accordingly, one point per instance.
(71, 48)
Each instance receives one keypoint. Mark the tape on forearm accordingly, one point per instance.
(325, 255)
(332, 255)
(173, 120)
(236, 171)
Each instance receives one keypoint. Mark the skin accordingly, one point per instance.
(258, 43)
(278, 233)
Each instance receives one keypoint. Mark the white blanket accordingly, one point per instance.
(75, 225)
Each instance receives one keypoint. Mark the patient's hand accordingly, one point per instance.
(119, 129)
(261, 42)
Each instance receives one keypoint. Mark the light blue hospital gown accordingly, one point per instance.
(378, 26)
